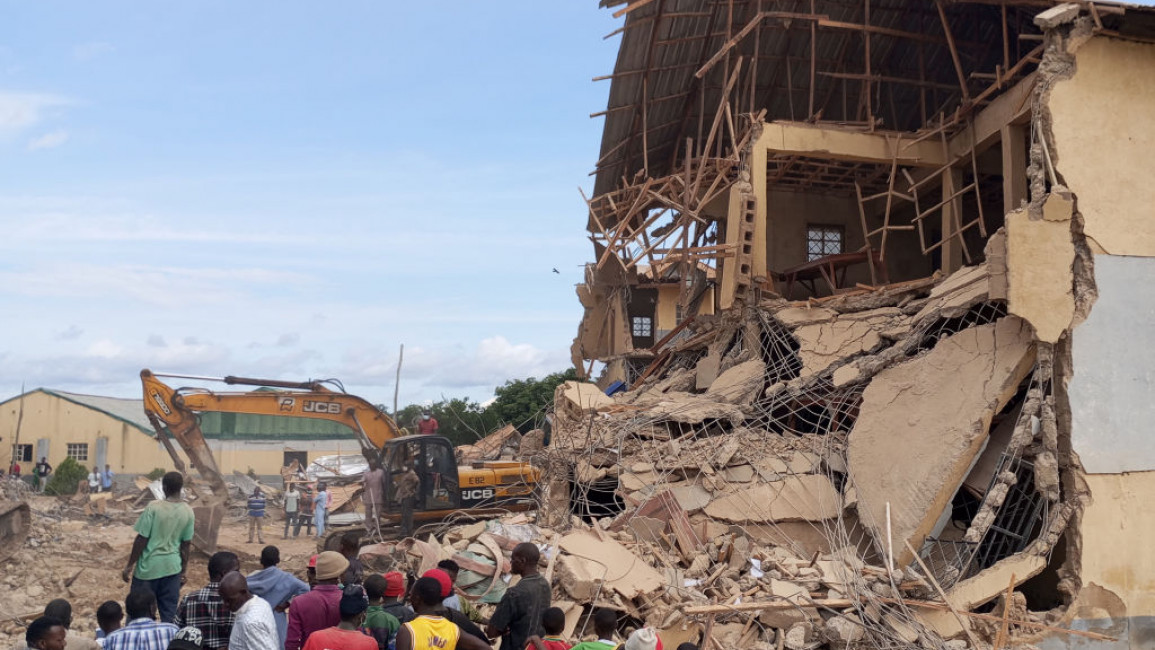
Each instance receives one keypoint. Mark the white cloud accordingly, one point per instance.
(49, 140)
(491, 363)
(164, 286)
(73, 332)
(91, 50)
(288, 340)
(19, 111)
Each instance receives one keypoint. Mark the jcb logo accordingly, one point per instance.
(287, 403)
(322, 407)
(476, 495)
(160, 403)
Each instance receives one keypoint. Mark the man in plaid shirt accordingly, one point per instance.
(143, 632)
(205, 610)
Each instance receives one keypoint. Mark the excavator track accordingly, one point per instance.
(15, 522)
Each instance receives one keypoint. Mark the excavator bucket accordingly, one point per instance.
(15, 522)
(207, 525)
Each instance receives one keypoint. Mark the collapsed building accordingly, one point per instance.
(869, 291)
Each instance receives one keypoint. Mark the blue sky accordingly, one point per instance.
(292, 189)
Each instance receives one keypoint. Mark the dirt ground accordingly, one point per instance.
(80, 558)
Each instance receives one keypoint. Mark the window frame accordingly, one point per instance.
(72, 450)
(22, 457)
(823, 232)
(647, 321)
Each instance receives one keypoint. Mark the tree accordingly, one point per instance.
(67, 476)
(522, 402)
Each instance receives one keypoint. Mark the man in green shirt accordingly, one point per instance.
(605, 624)
(379, 624)
(160, 552)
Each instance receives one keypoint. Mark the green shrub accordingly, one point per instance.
(67, 476)
(156, 474)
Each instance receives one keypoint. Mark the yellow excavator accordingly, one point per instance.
(481, 489)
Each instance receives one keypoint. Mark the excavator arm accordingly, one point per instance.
(173, 413)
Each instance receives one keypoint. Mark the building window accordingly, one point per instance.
(643, 326)
(22, 453)
(78, 451)
(822, 241)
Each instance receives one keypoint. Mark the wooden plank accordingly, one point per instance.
(637, 4)
(962, 80)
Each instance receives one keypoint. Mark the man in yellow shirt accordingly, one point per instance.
(431, 632)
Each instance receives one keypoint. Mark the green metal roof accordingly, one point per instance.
(243, 426)
(221, 426)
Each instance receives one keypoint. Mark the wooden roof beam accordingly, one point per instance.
(791, 138)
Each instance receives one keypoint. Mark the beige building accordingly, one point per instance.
(96, 430)
(821, 158)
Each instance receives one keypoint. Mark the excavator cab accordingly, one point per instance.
(434, 460)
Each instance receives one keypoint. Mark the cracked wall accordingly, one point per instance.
(1096, 128)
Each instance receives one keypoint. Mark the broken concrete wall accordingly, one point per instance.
(1040, 259)
(917, 461)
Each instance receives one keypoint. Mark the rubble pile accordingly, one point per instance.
(861, 470)
(77, 559)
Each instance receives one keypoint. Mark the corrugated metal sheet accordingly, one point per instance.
(241, 426)
(225, 426)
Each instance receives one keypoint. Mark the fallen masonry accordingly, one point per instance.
(869, 296)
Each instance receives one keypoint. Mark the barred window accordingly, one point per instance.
(643, 326)
(78, 451)
(22, 453)
(822, 241)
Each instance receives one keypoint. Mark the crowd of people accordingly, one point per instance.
(338, 607)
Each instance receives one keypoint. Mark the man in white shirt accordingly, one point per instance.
(254, 627)
(94, 481)
(292, 510)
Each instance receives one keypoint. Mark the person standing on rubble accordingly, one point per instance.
(427, 424)
(374, 496)
(160, 551)
(292, 508)
(94, 481)
(106, 478)
(257, 515)
(518, 615)
(320, 508)
(405, 489)
(40, 474)
(305, 516)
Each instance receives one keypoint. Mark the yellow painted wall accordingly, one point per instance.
(667, 311)
(1117, 528)
(1104, 131)
(130, 450)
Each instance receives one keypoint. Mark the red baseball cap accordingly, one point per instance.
(443, 578)
(313, 562)
(394, 584)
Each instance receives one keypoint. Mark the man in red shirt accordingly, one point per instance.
(347, 634)
(427, 424)
(320, 608)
